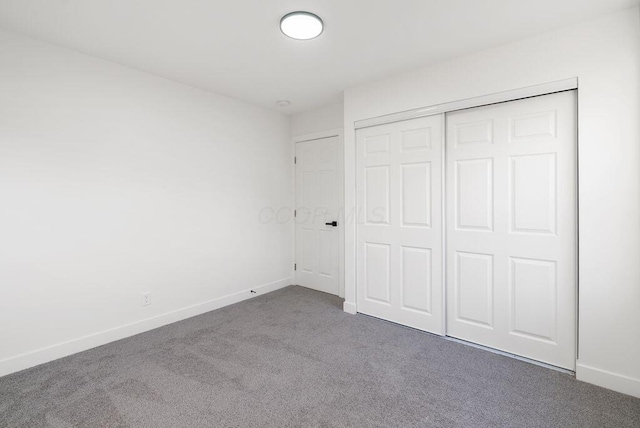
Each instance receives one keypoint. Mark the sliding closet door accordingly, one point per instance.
(399, 224)
(511, 227)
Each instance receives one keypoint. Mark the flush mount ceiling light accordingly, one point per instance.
(283, 103)
(301, 25)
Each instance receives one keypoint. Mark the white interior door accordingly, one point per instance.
(399, 224)
(316, 211)
(511, 227)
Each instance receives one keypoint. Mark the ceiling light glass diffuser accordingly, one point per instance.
(301, 25)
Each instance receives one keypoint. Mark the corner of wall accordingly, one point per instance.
(349, 308)
(614, 381)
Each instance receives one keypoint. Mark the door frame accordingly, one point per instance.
(339, 134)
(350, 305)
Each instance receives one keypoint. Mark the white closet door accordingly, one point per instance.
(316, 205)
(399, 224)
(511, 227)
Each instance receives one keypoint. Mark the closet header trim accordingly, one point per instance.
(499, 97)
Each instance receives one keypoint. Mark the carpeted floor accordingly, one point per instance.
(292, 358)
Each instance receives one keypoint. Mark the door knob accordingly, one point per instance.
(333, 223)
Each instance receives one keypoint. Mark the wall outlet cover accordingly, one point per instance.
(146, 298)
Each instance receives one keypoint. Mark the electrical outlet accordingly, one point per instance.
(146, 298)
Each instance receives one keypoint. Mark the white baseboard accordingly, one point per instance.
(73, 346)
(617, 382)
(349, 308)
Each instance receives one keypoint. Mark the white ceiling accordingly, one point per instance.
(235, 48)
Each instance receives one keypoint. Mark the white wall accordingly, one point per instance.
(605, 56)
(328, 118)
(115, 182)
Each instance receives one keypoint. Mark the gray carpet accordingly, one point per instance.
(292, 358)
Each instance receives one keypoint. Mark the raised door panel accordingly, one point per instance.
(375, 144)
(308, 192)
(377, 194)
(533, 290)
(416, 279)
(531, 126)
(473, 133)
(307, 251)
(533, 185)
(416, 195)
(415, 139)
(474, 194)
(326, 253)
(326, 195)
(474, 288)
(377, 260)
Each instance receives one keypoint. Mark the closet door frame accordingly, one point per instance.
(351, 250)
(340, 186)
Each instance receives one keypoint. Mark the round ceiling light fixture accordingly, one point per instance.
(301, 25)
(283, 103)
